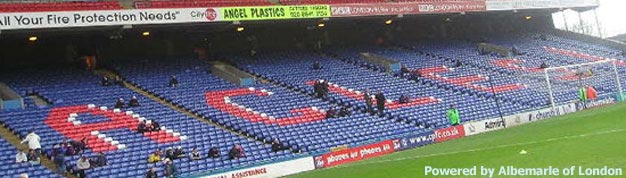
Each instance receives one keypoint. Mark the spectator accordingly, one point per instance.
(155, 156)
(368, 101)
(453, 116)
(173, 81)
(380, 102)
(214, 152)
(276, 146)
(543, 65)
(169, 154)
(458, 63)
(331, 113)
(119, 103)
(404, 70)
(179, 152)
(152, 173)
(118, 81)
(141, 128)
(59, 161)
(170, 169)
(345, 111)
(82, 164)
(236, 152)
(404, 99)
(33, 142)
(56, 150)
(317, 65)
(81, 145)
(155, 126)
(23, 175)
(99, 161)
(105, 81)
(70, 150)
(21, 157)
(417, 75)
(33, 157)
(324, 89)
(133, 102)
(195, 154)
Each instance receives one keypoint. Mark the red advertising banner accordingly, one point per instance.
(354, 154)
(449, 133)
(348, 10)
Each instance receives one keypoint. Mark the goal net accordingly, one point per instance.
(559, 85)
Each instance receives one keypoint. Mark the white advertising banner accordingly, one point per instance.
(271, 170)
(541, 114)
(473, 128)
(537, 4)
(32, 20)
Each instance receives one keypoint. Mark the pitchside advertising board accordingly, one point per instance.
(11, 21)
(537, 4)
(354, 154)
(271, 170)
(371, 9)
(477, 127)
(541, 114)
(598, 102)
(413, 141)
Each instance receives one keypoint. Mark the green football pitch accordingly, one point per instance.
(588, 140)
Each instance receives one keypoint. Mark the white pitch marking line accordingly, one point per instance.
(483, 149)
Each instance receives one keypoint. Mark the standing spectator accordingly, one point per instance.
(380, 102)
(119, 103)
(368, 101)
(33, 142)
(21, 157)
(152, 173)
(100, 160)
(173, 81)
(236, 152)
(453, 116)
(214, 152)
(59, 161)
(195, 154)
(82, 164)
(276, 146)
(170, 169)
(133, 102)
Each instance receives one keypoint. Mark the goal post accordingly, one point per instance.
(563, 82)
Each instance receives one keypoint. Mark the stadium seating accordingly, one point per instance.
(59, 6)
(72, 91)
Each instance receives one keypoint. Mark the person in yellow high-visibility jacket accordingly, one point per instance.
(453, 116)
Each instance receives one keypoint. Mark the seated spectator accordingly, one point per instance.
(331, 113)
(23, 175)
(155, 156)
(70, 150)
(236, 152)
(82, 164)
(195, 154)
(173, 81)
(156, 126)
(152, 173)
(179, 152)
(99, 160)
(276, 146)
(345, 111)
(81, 145)
(59, 160)
(317, 65)
(21, 157)
(118, 81)
(543, 65)
(133, 102)
(214, 152)
(404, 99)
(141, 128)
(170, 169)
(33, 157)
(404, 70)
(57, 150)
(105, 81)
(119, 103)
(169, 154)
(458, 63)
